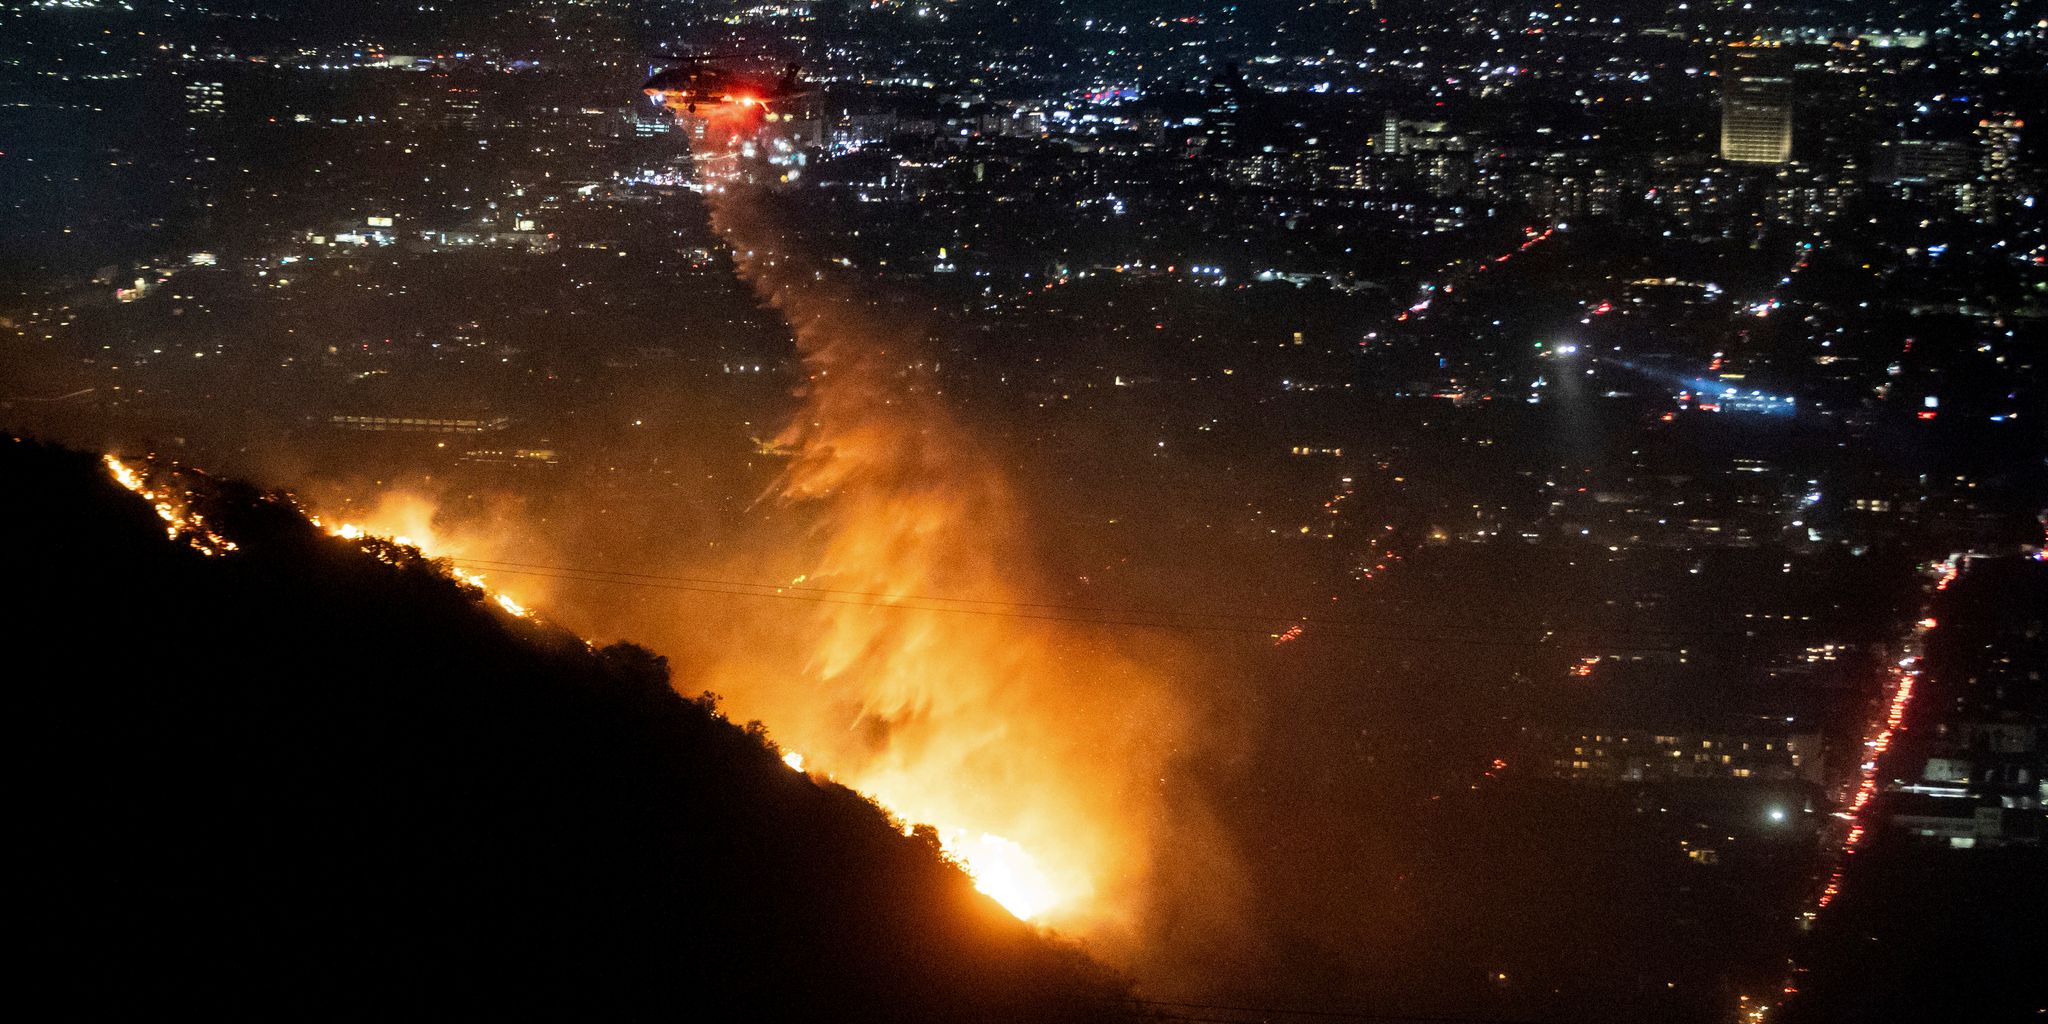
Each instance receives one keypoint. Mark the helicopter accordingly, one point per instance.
(697, 83)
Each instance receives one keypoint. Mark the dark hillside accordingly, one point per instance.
(297, 781)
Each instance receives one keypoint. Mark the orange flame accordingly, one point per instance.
(1035, 753)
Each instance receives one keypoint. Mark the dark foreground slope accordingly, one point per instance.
(297, 781)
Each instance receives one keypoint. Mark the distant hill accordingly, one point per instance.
(298, 781)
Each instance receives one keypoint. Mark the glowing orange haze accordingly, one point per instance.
(1037, 754)
(1039, 750)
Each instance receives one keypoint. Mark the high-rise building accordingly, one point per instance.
(207, 99)
(1923, 162)
(1401, 137)
(2005, 184)
(830, 22)
(1756, 105)
(1226, 98)
(2000, 137)
(1390, 143)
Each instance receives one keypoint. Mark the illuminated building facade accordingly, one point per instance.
(1756, 106)
(207, 99)
(1644, 755)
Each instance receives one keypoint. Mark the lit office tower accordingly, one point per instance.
(1756, 105)
(1226, 104)
(2000, 136)
(205, 98)
(1390, 134)
(2003, 177)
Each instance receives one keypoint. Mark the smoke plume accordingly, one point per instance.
(1041, 750)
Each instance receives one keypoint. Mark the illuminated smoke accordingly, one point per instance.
(414, 517)
(174, 503)
(1043, 753)
(1039, 752)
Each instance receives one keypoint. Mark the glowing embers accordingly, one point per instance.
(399, 549)
(126, 477)
(173, 504)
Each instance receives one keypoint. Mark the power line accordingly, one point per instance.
(1182, 1018)
(1185, 1018)
(1035, 611)
(1180, 1011)
(893, 599)
(579, 577)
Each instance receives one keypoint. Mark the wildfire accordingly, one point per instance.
(126, 477)
(1000, 867)
(351, 531)
(1040, 758)
(1002, 870)
(182, 521)
(407, 520)
(1036, 756)
(173, 506)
